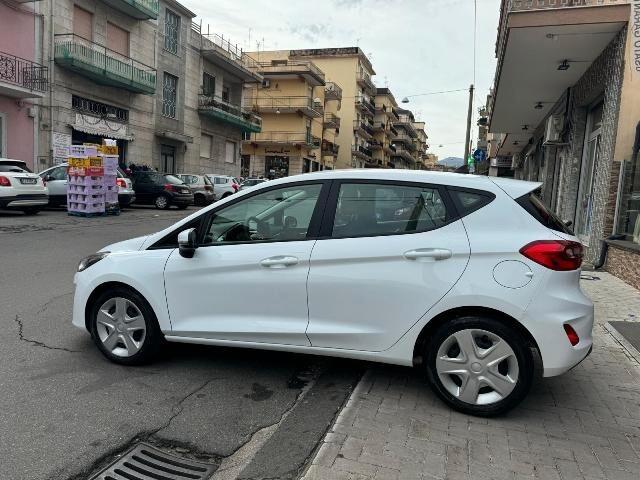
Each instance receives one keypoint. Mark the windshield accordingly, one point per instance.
(14, 166)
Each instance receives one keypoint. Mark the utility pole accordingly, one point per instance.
(467, 151)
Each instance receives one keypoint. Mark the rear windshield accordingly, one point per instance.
(538, 210)
(11, 168)
(173, 180)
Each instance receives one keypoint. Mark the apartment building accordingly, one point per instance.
(383, 129)
(291, 102)
(404, 141)
(332, 123)
(352, 71)
(24, 80)
(566, 110)
(421, 144)
(103, 76)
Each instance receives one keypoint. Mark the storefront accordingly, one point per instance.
(276, 167)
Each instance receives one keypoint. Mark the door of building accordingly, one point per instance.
(168, 158)
(590, 157)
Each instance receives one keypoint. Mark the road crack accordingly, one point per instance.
(36, 343)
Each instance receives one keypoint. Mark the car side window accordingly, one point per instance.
(59, 173)
(281, 214)
(366, 209)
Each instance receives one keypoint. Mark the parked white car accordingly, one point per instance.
(20, 189)
(224, 185)
(251, 182)
(462, 276)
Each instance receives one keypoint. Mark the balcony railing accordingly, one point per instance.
(329, 148)
(216, 107)
(139, 9)
(23, 73)
(404, 153)
(303, 104)
(365, 104)
(363, 127)
(331, 120)
(407, 124)
(302, 68)
(332, 91)
(283, 138)
(406, 139)
(102, 65)
(375, 144)
(361, 151)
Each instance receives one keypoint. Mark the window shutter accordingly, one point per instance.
(230, 152)
(82, 23)
(117, 39)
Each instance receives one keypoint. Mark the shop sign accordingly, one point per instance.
(60, 143)
(278, 151)
(634, 51)
(101, 126)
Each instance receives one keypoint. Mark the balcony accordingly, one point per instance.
(390, 148)
(21, 78)
(303, 105)
(402, 137)
(222, 52)
(139, 9)
(407, 125)
(364, 80)
(282, 138)
(291, 69)
(363, 128)
(404, 153)
(379, 126)
(375, 144)
(329, 148)
(332, 91)
(331, 120)
(361, 152)
(102, 65)
(365, 105)
(215, 107)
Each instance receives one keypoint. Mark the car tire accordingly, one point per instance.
(116, 334)
(182, 207)
(479, 365)
(199, 200)
(161, 202)
(31, 211)
(226, 194)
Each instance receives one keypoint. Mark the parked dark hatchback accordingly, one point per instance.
(161, 190)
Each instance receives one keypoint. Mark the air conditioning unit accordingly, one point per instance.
(553, 130)
(266, 83)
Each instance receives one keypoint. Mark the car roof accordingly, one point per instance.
(11, 160)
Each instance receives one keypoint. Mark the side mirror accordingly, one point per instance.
(187, 242)
(48, 177)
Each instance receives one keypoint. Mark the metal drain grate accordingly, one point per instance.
(629, 330)
(145, 462)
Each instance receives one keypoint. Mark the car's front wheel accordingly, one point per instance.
(479, 366)
(124, 327)
(161, 202)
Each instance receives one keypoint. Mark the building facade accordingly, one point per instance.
(24, 80)
(572, 121)
(384, 130)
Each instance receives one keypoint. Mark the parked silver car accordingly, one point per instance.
(56, 180)
(201, 186)
(224, 185)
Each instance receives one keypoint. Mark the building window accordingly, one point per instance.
(117, 39)
(629, 216)
(82, 23)
(171, 31)
(99, 109)
(169, 95)
(230, 152)
(208, 85)
(205, 146)
(225, 93)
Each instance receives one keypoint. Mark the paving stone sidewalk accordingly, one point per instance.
(582, 425)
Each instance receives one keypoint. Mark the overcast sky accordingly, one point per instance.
(415, 46)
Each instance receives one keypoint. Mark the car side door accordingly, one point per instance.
(56, 179)
(247, 281)
(388, 252)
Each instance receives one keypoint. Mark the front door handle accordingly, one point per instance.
(280, 261)
(428, 254)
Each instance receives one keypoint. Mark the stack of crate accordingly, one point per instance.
(108, 152)
(85, 184)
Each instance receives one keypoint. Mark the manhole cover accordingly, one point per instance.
(630, 331)
(145, 462)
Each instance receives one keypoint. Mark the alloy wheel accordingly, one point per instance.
(121, 327)
(477, 367)
(162, 202)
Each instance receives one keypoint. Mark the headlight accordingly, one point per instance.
(86, 262)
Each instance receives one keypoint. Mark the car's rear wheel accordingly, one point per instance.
(124, 327)
(479, 366)
(199, 200)
(161, 202)
(32, 210)
(226, 194)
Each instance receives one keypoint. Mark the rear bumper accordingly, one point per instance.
(182, 199)
(24, 200)
(558, 302)
(125, 199)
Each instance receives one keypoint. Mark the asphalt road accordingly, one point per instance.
(65, 411)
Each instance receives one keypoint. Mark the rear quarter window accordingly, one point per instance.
(469, 200)
(538, 210)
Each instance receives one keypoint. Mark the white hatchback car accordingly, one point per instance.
(463, 276)
(20, 189)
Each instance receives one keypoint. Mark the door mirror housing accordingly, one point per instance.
(187, 242)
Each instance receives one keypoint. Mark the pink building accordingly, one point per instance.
(22, 81)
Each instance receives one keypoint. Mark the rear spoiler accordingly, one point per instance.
(515, 188)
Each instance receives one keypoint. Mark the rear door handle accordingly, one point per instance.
(280, 261)
(428, 253)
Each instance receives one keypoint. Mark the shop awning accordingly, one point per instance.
(102, 127)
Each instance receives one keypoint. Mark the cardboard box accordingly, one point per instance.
(78, 162)
(108, 150)
(77, 151)
(95, 171)
(95, 162)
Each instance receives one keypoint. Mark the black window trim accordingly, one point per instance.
(463, 211)
(332, 204)
(200, 221)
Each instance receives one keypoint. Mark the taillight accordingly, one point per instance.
(4, 182)
(235, 187)
(121, 183)
(559, 255)
(168, 187)
(571, 334)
